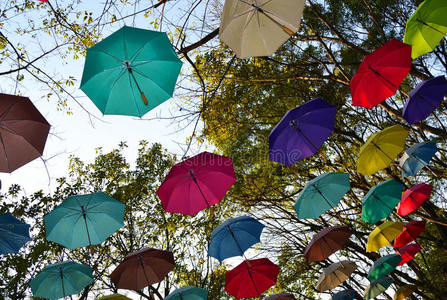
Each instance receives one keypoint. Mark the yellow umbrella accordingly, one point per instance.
(404, 291)
(381, 149)
(383, 235)
(114, 297)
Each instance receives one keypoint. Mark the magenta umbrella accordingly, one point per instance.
(196, 183)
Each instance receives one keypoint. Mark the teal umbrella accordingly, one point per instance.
(321, 194)
(383, 266)
(188, 293)
(381, 200)
(61, 279)
(84, 220)
(130, 72)
(377, 287)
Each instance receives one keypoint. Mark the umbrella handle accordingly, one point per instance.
(144, 98)
(288, 30)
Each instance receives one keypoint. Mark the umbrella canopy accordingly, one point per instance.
(417, 157)
(408, 252)
(409, 233)
(426, 27)
(188, 293)
(259, 27)
(114, 297)
(251, 278)
(424, 99)
(327, 242)
(381, 200)
(335, 274)
(234, 236)
(142, 268)
(84, 220)
(130, 72)
(381, 149)
(23, 132)
(383, 235)
(346, 295)
(321, 194)
(383, 266)
(196, 183)
(380, 74)
(404, 291)
(301, 131)
(413, 197)
(377, 287)
(61, 279)
(282, 296)
(13, 234)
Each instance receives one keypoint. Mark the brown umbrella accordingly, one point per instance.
(282, 296)
(23, 132)
(327, 242)
(142, 268)
(335, 274)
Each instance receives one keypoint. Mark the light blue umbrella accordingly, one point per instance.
(13, 234)
(188, 293)
(417, 157)
(383, 266)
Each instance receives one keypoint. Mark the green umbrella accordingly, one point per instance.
(130, 72)
(188, 293)
(383, 266)
(381, 200)
(426, 27)
(377, 287)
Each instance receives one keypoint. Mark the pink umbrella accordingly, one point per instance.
(196, 183)
(408, 252)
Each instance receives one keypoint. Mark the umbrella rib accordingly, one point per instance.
(8, 110)
(113, 56)
(252, 281)
(124, 44)
(424, 23)
(6, 156)
(62, 280)
(200, 190)
(237, 243)
(133, 95)
(297, 128)
(144, 270)
(380, 200)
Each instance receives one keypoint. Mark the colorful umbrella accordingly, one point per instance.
(346, 295)
(13, 234)
(404, 291)
(417, 157)
(23, 132)
(251, 278)
(142, 268)
(426, 27)
(61, 279)
(381, 149)
(335, 274)
(383, 266)
(282, 296)
(196, 183)
(409, 233)
(424, 99)
(321, 194)
(380, 74)
(84, 220)
(327, 242)
(377, 287)
(114, 297)
(130, 72)
(259, 27)
(408, 252)
(301, 131)
(188, 293)
(413, 197)
(381, 200)
(234, 236)
(383, 235)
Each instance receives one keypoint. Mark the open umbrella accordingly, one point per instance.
(381, 149)
(188, 293)
(196, 183)
(23, 132)
(13, 234)
(380, 74)
(327, 242)
(383, 266)
(321, 194)
(383, 235)
(413, 197)
(282, 296)
(259, 27)
(335, 274)
(409, 233)
(345, 295)
(234, 236)
(301, 131)
(377, 287)
(408, 252)
(130, 72)
(417, 157)
(404, 291)
(114, 297)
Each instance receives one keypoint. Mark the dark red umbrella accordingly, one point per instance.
(410, 232)
(327, 242)
(380, 74)
(282, 296)
(251, 278)
(23, 132)
(413, 197)
(408, 252)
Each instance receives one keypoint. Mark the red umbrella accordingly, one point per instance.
(410, 232)
(251, 278)
(196, 183)
(327, 242)
(408, 252)
(413, 198)
(380, 74)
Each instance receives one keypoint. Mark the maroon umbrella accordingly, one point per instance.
(409, 233)
(23, 132)
(142, 268)
(282, 296)
(408, 252)
(327, 242)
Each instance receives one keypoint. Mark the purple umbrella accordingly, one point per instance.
(424, 99)
(302, 131)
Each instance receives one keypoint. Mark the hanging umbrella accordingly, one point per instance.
(61, 279)
(196, 183)
(335, 274)
(321, 194)
(142, 268)
(424, 99)
(114, 297)
(282, 296)
(188, 293)
(234, 236)
(13, 234)
(23, 132)
(251, 278)
(84, 220)
(383, 235)
(409, 233)
(426, 27)
(408, 252)
(381, 149)
(383, 266)
(259, 27)
(346, 295)
(380, 74)
(417, 157)
(327, 242)
(413, 197)
(404, 291)
(130, 72)
(377, 287)
(301, 131)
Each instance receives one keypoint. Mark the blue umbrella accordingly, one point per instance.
(417, 157)
(188, 293)
(234, 236)
(13, 234)
(345, 295)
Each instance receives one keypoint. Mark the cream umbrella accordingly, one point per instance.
(335, 274)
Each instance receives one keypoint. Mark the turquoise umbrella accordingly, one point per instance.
(321, 194)
(383, 266)
(188, 293)
(84, 220)
(377, 287)
(13, 234)
(130, 72)
(381, 200)
(61, 279)
(417, 157)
